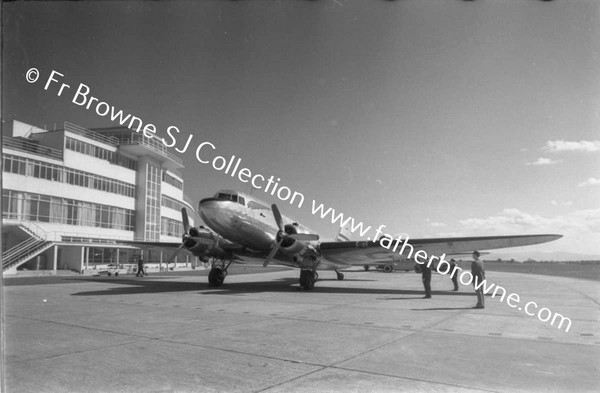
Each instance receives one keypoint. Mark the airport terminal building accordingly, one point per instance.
(70, 195)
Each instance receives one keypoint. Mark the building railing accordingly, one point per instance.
(110, 140)
(136, 139)
(77, 237)
(36, 242)
(31, 147)
(36, 231)
(23, 251)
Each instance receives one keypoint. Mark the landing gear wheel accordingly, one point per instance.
(388, 268)
(307, 279)
(366, 267)
(216, 277)
(340, 276)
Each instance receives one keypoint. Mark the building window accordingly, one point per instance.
(98, 152)
(172, 180)
(10, 205)
(44, 208)
(171, 203)
(152, 224)
(42, 170)
(170, 227)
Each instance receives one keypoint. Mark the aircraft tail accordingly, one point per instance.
(344, 234)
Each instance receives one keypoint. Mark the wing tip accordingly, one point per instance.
(554, 236)
(545, 238)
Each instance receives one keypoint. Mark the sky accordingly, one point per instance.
(434, 118)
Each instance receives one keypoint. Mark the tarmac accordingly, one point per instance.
(372, 332)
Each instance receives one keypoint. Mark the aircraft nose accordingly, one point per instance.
(217, 214)
(209, 208)
(207, 205)
(205, 201)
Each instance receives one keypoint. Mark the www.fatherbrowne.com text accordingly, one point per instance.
(205, 153)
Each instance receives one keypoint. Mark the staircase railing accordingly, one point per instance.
(33, 229)
(23, 251)
(36, 243)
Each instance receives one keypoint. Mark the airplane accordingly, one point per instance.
(407, 264)
(241, 228)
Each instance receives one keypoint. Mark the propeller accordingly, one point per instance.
(282, 235)
(193, 235)
(186, 221)
(171, 257)
(186, 228)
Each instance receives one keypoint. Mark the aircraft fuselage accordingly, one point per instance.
(243, 219)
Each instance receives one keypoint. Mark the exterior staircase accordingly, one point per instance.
(27, 249)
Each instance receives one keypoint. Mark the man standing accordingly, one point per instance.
(478, 276)
(453, 274)
(426, 276)
(140, 269)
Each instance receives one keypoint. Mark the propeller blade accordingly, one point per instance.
(282, 235)
(272, 253)
(171, 257)
(185, 220)
(277, 216)
(304, 236)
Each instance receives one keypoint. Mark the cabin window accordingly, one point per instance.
(241, 201)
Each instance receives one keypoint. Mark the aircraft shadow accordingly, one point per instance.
(441, 308)
(140, 286)
(288, 284)
(433, 293)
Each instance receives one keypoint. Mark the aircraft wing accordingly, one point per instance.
(204, 241)
(365, 252)
(199, 243)
(157, 245)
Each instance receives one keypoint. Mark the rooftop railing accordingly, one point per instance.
(31, 147)
(111, 140)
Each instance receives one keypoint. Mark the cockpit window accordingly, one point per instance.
(223, 196)
(227, 197)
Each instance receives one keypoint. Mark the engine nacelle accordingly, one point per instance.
(199, 243)
(300, 251)
(204, 248)
(193, 245)
(295, 248)
(290, 242)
